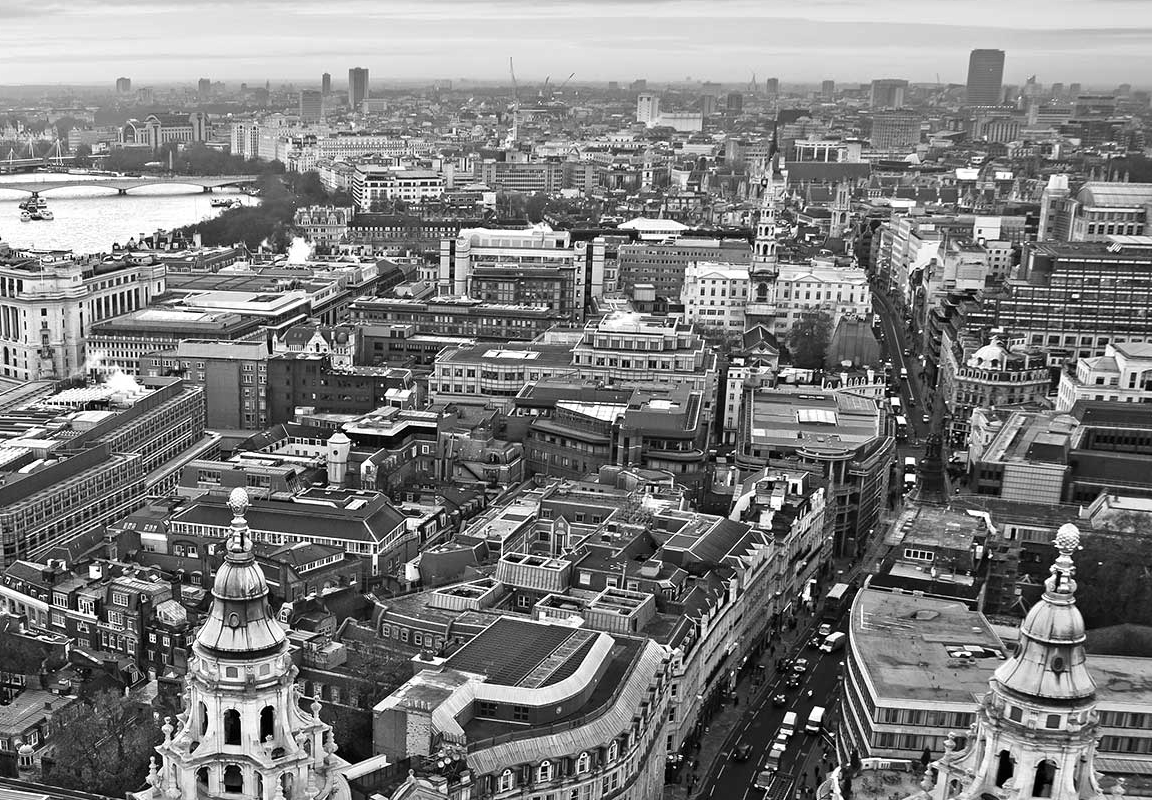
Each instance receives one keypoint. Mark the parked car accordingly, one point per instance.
(741, 752)
(780, 700)
(800, 666)
(793, 681)
(824, 630)
(927, 419)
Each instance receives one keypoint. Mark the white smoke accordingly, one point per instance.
(299, 251)
(111, 376)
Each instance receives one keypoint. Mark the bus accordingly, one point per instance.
(901, 428)
(837, 597)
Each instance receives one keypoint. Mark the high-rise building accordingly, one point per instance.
(828, 89)
(895, 131)
(985, 77)
(204, 88)
(735, 102)
(648, 109)
(123, 85)
(888, 93)
(357, 86)
(772, 87)
(326, 83)
(311, 105)
(1074, 90)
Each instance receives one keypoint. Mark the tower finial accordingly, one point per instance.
(238, 501)
(1067, 542)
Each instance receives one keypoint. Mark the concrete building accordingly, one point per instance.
(802, 289)
(48, 304)
(456, 316)
(1123, 375)
(81, 458)
(662, 266)
(123, 86)
(887, 93)
(839, 433)
(308, 380)
(157, 130)
(357, 87)
(121, 342)
(232, 374)
(648, 109)
(1097, 212)
(311, 106)
(895, 131)
(713, 297)
(985, 78)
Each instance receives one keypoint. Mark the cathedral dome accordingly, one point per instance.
(1049, 664)
(240, 623)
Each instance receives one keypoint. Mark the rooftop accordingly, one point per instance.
(814, 420)
(515, 652)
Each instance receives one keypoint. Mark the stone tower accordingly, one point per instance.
(764, 269)
(242, 733)
(1035, 731)
(840, 210)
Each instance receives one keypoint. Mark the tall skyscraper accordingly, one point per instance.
(828, 90)
(123, 85)
(647, 109)
(204, 88)
(888, 93)
(985, 77)
(311, 105)
(1074, 90)
(326, 83)
(735, 103)
(357, 86)
(772, 87)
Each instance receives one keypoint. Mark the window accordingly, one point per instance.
(486, 708)
(231, 726)
(544, 773)
(583, 763)
(520, 713)
(115, 619)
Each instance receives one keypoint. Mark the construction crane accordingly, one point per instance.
(565, 83)
(515, 88)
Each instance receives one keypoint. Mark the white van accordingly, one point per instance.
(788, 726)
(815, 720)
(834, 642)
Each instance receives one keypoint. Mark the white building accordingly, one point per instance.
(48, 305)
(714, 296)
(246, 139)
(648, 109)
(1122, 374)
(804, 288)
(682, 121)
(373, 184)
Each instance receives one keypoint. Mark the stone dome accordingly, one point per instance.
(988, 355)
(1049, 663)
(240, 623)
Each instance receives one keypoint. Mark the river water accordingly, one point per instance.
(91, 219)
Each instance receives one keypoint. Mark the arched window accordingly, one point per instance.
(1045, 777)
(202, 777)
(507, 781)
(231, 726)
(1005, 768)
(544, 774)
(267, 725)
(202, 715)
(286, 782)
(613, 750)
(233, 780)
(583, 763)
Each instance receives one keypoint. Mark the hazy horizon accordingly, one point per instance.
(1094, 42)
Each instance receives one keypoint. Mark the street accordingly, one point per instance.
(759, 724)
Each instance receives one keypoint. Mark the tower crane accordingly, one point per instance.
(565, 83)
(515, 88)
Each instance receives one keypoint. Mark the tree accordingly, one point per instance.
(102, 744)
(534, 207)
(82, 155)
(809, 338)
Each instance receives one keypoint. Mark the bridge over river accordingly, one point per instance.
(125, 184)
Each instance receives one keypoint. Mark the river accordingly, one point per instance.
(90, 220)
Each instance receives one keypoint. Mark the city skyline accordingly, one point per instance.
(657, 39)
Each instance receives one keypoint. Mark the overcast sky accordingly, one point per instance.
(1101, 42)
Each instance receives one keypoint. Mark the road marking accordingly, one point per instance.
(721, 772)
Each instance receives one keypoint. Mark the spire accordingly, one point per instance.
(1049, 664)
(240, 623)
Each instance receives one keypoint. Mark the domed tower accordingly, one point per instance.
(1036, 729)
(242, 733)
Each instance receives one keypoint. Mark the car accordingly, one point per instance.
(780, 700)
(800, 666)
(741, 752)
(824, 630)
(793, 681)
(907, 352)
(781, 740)
(815, 642)
(927, 419)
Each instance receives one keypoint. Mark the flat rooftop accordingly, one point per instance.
(514, 652)
(815, 420)
(908, 646)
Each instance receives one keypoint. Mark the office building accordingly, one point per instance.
(49, 303)
(311, 106)
(204, 88)
(648, 109)
(734, 103)
(841, 433)
(326, 84)
(157, 130)
(713, 297)
(456, 316)
(1064, 457)
(357, 86)
(123, 85)
(887, 93)
(1123, 375)
(1097, 212)
(374, 186)
(78, 459)
(985, 77)
(828, 90)
(1075, 298)
(527, 177)
(663, 266)
(895, 131)
(804, 288)
(772, 87)
(308, 380)
(232, 374)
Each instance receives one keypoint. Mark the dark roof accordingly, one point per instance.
(373, 522)
(1109, 414)
(827, 171)
(513, 652)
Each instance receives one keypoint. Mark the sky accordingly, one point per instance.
(1096, 42)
